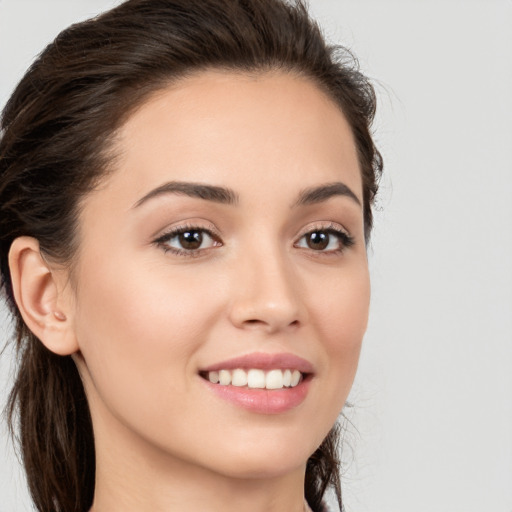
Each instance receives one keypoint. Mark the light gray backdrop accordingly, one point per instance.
(433, 396)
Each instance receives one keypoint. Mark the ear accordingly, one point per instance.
(41, 296)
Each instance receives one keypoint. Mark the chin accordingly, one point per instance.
(265, 457)
(270, 467)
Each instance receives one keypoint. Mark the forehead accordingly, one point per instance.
(239, 130)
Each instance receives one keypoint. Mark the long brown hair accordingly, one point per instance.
(56, 130)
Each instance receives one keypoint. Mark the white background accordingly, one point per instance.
(433, 397)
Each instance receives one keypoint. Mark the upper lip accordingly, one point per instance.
(263, 361)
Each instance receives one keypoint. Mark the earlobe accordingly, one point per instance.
(40, 297)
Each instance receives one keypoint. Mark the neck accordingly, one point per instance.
(134, 476)
(144, 489)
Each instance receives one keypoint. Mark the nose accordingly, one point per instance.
(266, 294)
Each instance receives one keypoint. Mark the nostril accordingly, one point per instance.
(253, 322)
(256, 323)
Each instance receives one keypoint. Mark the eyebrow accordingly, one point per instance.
(207, 192)
(322, 193)
(227, 196)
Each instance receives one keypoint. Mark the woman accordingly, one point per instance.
(186, 193)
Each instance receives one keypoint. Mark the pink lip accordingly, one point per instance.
(263, 361)
(263, 401)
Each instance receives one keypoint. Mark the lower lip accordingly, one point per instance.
(262, 401)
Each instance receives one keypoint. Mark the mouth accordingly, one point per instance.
(256, 378)
(262, 383)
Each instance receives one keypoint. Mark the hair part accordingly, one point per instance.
(57, 134)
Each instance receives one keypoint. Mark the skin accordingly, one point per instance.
(144, 320)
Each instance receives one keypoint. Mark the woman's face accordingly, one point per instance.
(228, 237)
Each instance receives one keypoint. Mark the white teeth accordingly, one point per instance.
(224, 377)
(256, 378)
(274, 379)
(239, 378)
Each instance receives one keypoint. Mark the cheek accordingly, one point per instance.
(341, 318)
(138, 330)
(340, 307)
(347, 321)
(141, 306)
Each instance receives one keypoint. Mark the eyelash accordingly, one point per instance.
(163, 240)
(345, 240)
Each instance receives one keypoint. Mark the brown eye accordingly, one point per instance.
(317, 240)
(190, 240)
(325, 240)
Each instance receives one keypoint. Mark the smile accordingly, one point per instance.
(256, 378)
(260, 382)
